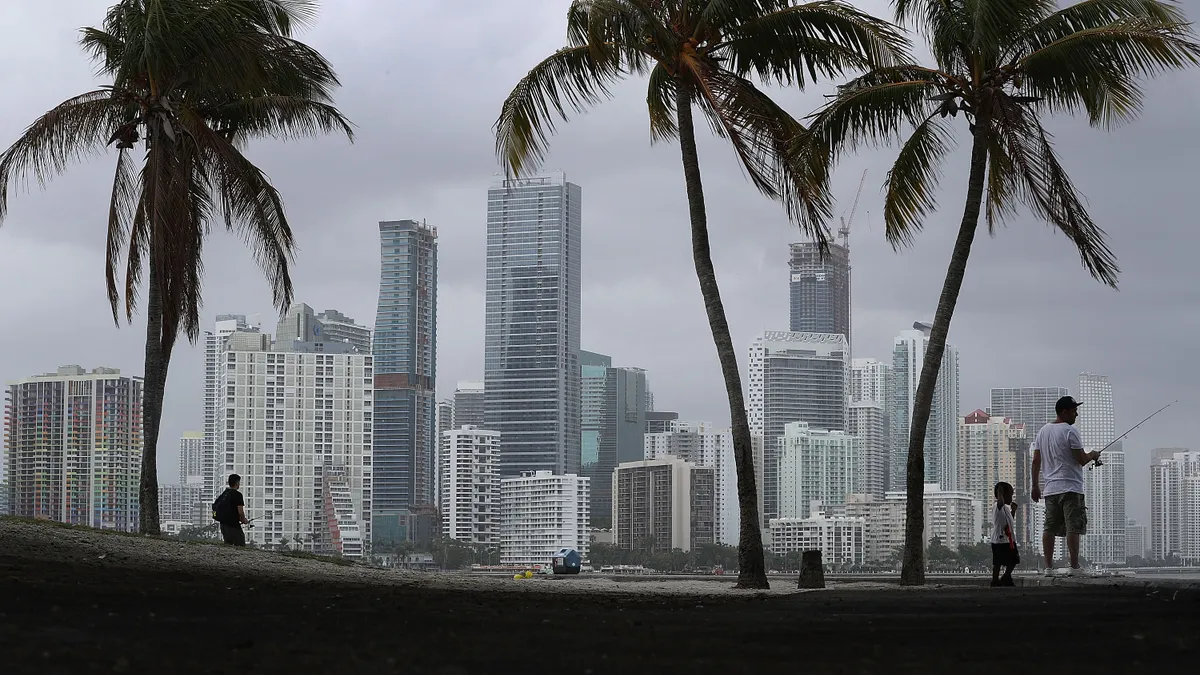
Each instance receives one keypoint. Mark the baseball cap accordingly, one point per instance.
(1065, 403)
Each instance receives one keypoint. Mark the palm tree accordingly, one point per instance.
(1003, 64)
(193, 80)
(704, 54)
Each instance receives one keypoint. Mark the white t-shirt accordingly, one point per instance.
(1058, 443)
(1001, 518)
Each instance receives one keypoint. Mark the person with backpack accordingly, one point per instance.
(230, 511)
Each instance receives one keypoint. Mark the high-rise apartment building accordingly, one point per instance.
(794, 377)
(470, 488)
(542, 513)
(212, 451)
(1104, 542)
(531, 341)
(1135, 540)
(1175, 506)
(988, 446)
(706, 447)
(663, 504)
(1034, 408)
(815, 466)
(613, 423)
(867, 422)
(445, 422)
(339, 328)
(74, 442)
(820, 289)
(870, 380)
(469, 404)
(191, 459)
(405, 380)
(180, 504)
(297, 426)
(941, 434)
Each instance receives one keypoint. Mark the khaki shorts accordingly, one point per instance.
(1065, 514)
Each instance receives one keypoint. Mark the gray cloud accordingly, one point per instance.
(424, 80)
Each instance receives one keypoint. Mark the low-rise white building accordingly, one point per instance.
(470, 485)
(542, 513)
(950, 516)
(840, 539)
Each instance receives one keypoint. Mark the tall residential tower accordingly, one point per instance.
(941, 434)
(820, 289)
(531, 341)
(405, 377)
(1104, 542)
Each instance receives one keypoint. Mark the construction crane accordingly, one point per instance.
(844, 231)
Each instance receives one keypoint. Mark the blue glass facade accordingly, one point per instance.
(531, 352)
(405, 353)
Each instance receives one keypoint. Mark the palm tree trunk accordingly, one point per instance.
(913, 571)
(153, 389)
(752, 568)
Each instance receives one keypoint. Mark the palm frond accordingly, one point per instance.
(76, 128)
(1045, 187)
(253, 208)
(801, 43)
(278, 116)
(126, 190)
(660, 100)
(1097, 69)
(946, 27)
(1091, 14)
(825, 38)
(911, 184)
(1002, 185)
(599, 23)
(761, 134)
(139, 249)
(570, 79)
(995, 24)
(874, 108)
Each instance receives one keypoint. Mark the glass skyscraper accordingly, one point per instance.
(531, 343)
(820, 289)
(941, 434)
(404, 347)
(613, 423)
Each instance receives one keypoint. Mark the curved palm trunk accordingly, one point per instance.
(913, 571)
(752, 570)
(153, 389)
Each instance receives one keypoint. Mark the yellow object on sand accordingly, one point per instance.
(518, 576)
(528, 574)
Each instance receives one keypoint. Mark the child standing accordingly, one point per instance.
(1004, 541)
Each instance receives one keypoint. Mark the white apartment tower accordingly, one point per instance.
(1175, 506)
(868, 420)
(297, 426)
(211, 452)
(815, 466)
(794, 377)
(841, 539)
(701, 444)
(1104, 542)
(470, 485)
(191, 459)
(941, 437)
(541, 513)
(988, 449)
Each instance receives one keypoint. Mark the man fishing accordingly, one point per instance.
(1059, 448)
(230, 511)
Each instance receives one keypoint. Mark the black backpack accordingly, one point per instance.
(222, 508)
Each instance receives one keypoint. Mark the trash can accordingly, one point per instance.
(567, 561)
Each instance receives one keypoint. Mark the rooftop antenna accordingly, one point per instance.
(844, 231)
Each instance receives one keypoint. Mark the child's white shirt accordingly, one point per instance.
(1001, 518)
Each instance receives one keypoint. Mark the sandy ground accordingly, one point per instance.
(80, 602)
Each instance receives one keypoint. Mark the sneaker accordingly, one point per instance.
(1049, 572)
(1080, 572)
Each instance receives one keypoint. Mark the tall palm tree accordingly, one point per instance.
(1002, 64)
(192, 81)
(704, 54)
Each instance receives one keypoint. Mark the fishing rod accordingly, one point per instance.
(1097, 462)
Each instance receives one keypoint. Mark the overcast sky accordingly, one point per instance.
(423, 81)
